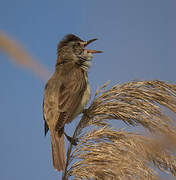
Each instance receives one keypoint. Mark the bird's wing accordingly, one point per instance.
(63, 94)
(46, 128)
(70, 95)
(50, 103)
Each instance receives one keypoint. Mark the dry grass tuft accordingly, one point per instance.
(106, 153)
(109, 154)
(20, 56)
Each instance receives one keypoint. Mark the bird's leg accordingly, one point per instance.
(73, 141)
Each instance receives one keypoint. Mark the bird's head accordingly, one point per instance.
(73, 49)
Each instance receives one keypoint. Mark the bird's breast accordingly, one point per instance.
(84, 101)
(86, 96)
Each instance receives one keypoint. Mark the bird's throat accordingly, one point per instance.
(85, 60)
(85, 65)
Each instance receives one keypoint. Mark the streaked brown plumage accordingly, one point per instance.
(66, 92)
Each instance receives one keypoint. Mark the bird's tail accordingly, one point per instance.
(58, 150)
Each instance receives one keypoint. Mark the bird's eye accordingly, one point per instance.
(78, 43)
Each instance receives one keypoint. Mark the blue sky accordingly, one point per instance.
(137, 37)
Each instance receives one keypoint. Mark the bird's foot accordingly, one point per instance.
(73, 141)
(85, 112)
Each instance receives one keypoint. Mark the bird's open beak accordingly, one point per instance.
(91, 50)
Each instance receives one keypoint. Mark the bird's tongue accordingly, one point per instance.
(92, 51)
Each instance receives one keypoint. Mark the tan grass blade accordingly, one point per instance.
(20, 56)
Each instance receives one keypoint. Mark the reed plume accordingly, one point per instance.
(105, 152)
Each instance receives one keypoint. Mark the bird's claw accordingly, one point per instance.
(85, 112)
(73, 141)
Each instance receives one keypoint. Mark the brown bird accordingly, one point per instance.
(66, 92)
